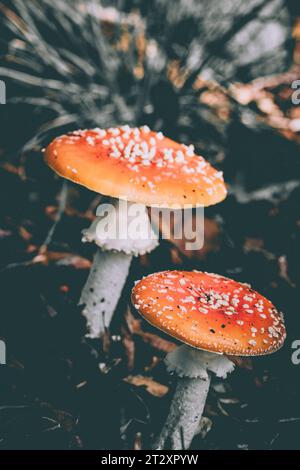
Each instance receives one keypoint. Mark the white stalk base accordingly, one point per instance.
(193, 367)
(103, 289)
(185, 414)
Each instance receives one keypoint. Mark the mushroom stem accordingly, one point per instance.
(193, 366)
(121, 230)
(184, 415)
(103, 289)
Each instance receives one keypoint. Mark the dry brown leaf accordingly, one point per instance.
(176, 256)
(51, 212)
(157, 342)
(296, 29)
(242, 362)
(5, 234)
(10, 168)
(138, 441)
(129, 347)
(211, 238)
(76, 261)
(23, 232)
(283, 270)
(63, 259)
(253, 244)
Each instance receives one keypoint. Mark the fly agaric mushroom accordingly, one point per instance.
(136, 165)
(213, 316)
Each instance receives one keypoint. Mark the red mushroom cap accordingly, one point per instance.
(138, 165)
(210, 312)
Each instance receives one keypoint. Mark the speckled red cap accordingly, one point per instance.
(210, 312)
(136, 164)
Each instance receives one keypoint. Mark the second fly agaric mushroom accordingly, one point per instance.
(213, 316)
(136, 165)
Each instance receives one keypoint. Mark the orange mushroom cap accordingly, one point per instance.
(138, 165)
(210, 312)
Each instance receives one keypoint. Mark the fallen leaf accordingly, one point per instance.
(63, 259)
(129, 347)
(242, 362)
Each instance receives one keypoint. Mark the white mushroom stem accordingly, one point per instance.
(193, 367)
(121, 230)
(185, 414)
